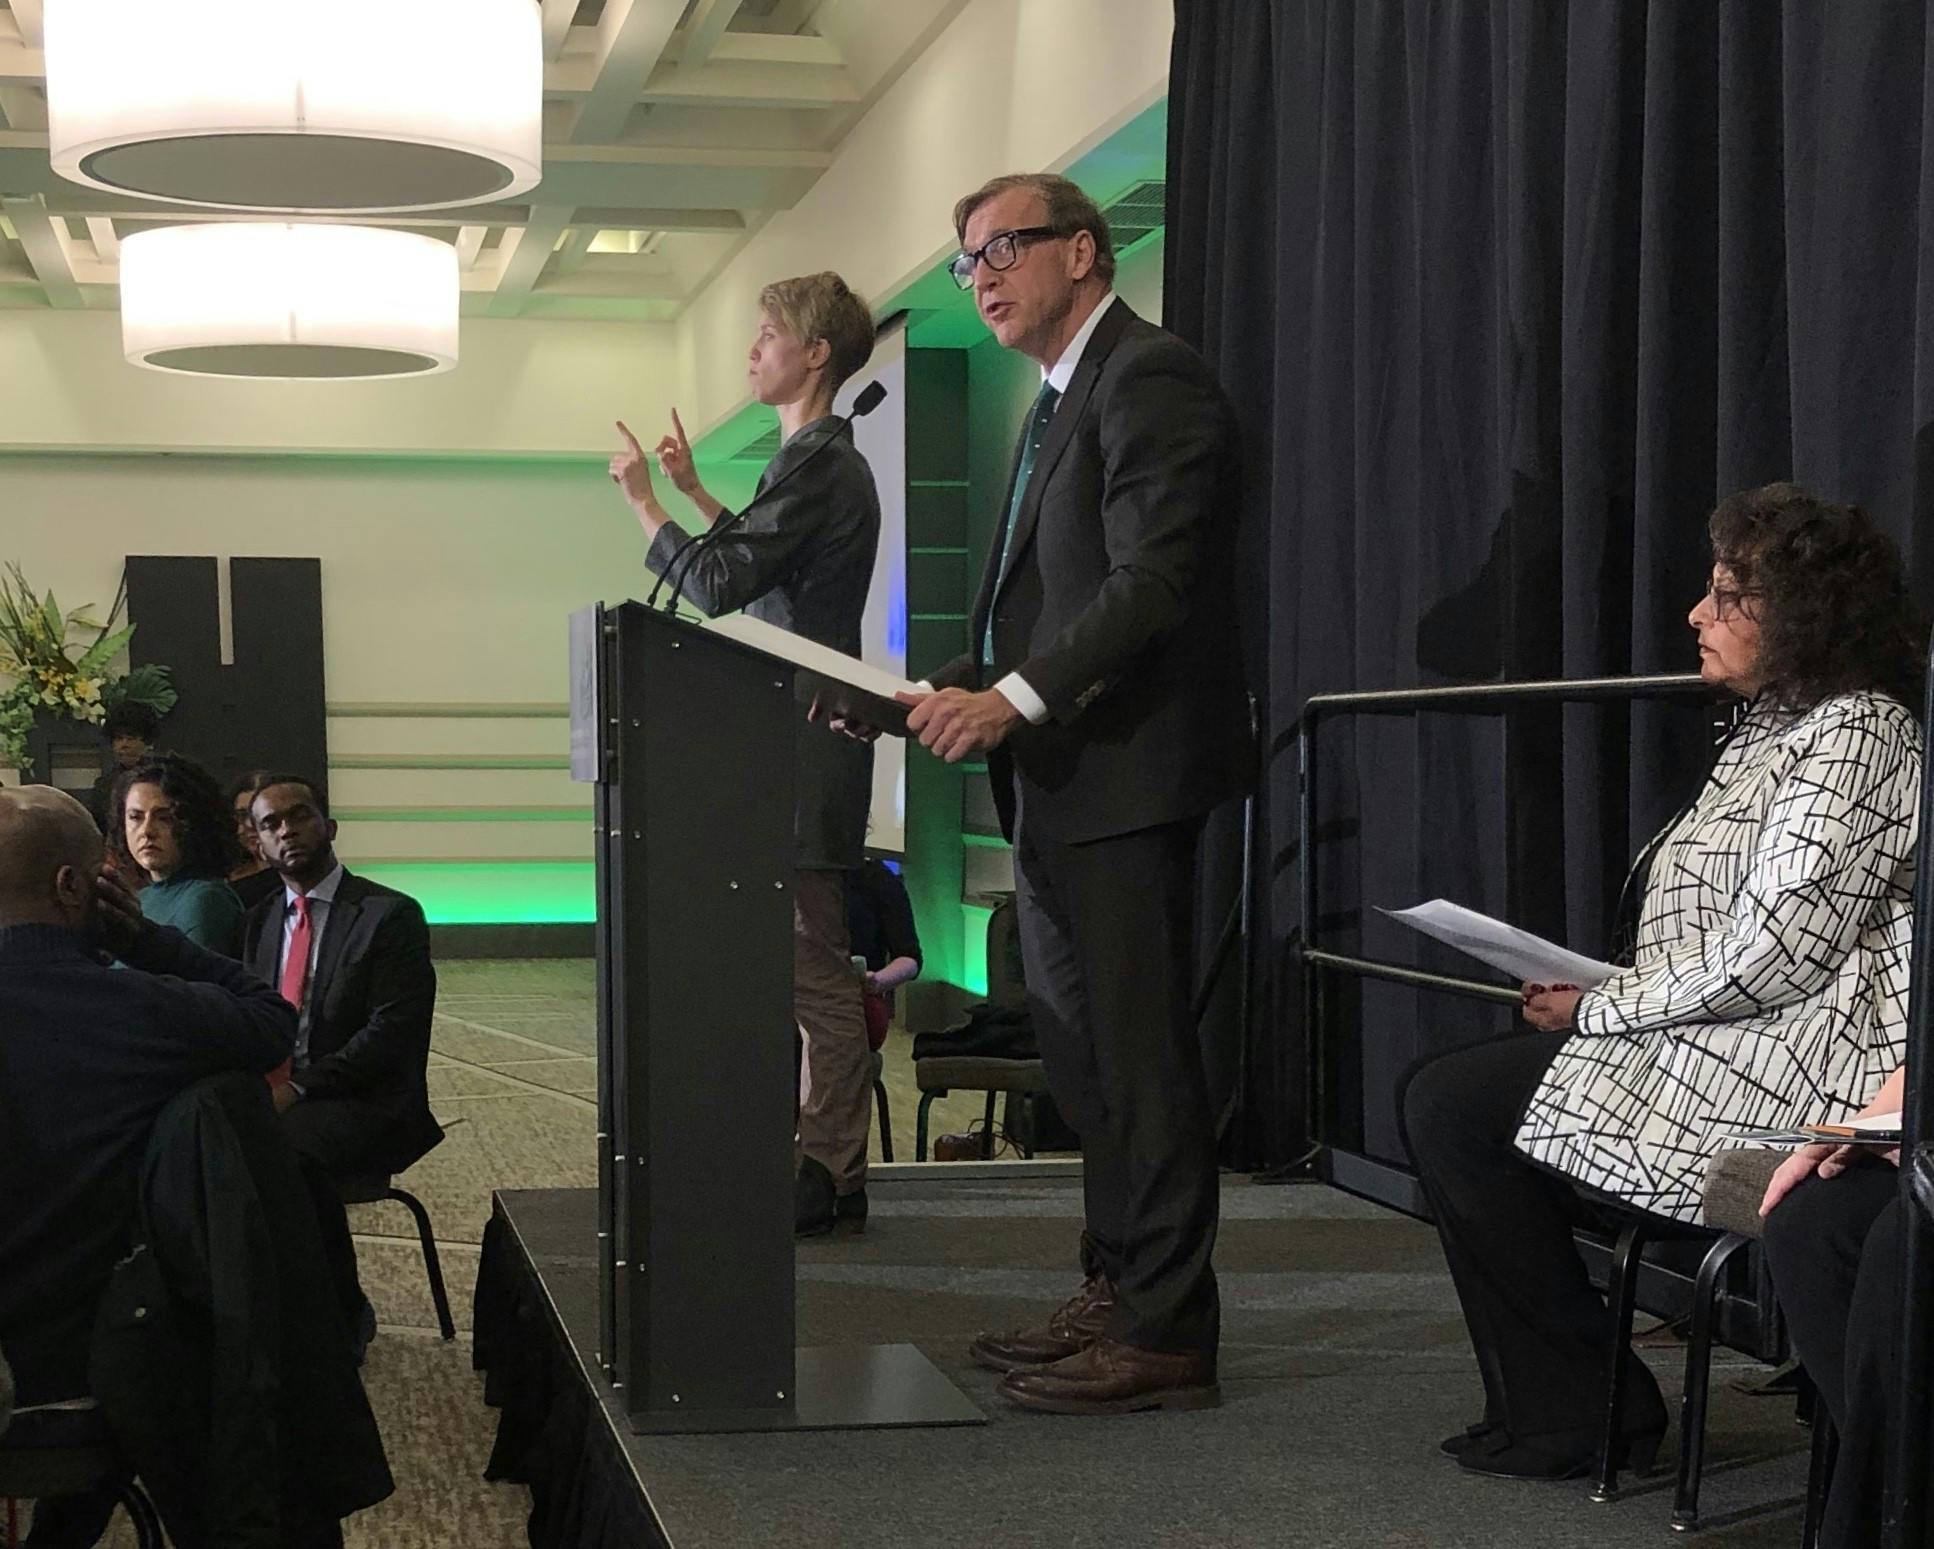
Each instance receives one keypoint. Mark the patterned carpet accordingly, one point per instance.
(513, 1080)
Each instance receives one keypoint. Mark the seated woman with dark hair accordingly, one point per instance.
(1769, 985)
(251, 875)
(170, 823)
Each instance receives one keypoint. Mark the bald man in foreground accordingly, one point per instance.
(88, 1059)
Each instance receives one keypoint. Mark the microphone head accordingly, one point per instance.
(871, 397)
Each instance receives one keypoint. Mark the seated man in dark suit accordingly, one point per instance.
(354, 959)
(88, 1058)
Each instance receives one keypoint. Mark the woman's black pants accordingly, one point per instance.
(1541, 1331)
(1835, 1248)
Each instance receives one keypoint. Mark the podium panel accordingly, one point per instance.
(691, 736)
(697, 1072)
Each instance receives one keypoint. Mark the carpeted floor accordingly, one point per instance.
(1344, 1356)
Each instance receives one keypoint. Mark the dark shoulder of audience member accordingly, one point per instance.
(89, 1057)
(1829, 591)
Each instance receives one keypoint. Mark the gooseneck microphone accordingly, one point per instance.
(679, 571)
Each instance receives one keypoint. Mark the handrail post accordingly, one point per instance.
(1904, 1511)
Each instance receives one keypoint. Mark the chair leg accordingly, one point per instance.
(1698, 1382)
(141, 1512)
(920, 1124)
(432, 1264)
(1819, 1474)
(886, 1121)
(987, 1129)
(1622, 1300)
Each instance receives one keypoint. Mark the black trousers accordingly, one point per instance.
(1107, 940)
(1540, 1329)
(1835, 1246)
(337, 1138)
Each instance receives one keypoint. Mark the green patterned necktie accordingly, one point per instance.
(1037, 430)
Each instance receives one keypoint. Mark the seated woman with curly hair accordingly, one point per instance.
(170, 822)
(1769, 985)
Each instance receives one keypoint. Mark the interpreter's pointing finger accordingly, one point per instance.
(678, 425)
(630, 440)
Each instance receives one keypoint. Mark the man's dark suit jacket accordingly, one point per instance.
(802, 560)
(89, 1057)
(368, 1011)
(1117, 607)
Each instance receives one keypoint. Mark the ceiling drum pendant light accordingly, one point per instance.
(346, 107)
(253, 300)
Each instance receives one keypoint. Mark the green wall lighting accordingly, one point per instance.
(514, 893)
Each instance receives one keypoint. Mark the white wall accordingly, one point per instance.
(1011, 85)
(522, 389)
(442, 582)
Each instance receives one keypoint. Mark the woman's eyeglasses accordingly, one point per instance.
(1726, 600)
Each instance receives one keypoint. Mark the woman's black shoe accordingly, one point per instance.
(1471, 1436)
(1498, 1457)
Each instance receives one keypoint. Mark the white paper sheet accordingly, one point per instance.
(1525, 957)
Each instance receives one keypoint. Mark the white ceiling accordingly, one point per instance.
(672, 128)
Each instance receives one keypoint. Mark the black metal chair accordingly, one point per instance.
(50, 1452)
(374, 1188)
(938, 1076)
(880, 1103)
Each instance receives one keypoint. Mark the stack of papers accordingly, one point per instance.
(1527, 958)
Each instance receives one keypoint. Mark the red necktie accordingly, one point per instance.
(295, 967)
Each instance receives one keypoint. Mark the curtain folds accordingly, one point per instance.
(1508, 294)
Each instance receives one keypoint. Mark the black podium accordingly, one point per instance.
(689, 737)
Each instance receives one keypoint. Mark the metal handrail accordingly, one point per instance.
(1904, 1509)
(1467, 698)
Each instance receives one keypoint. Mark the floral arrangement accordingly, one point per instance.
(49, 663)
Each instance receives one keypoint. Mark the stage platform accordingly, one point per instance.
(1343, 1363)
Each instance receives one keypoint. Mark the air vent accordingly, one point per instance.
(1137, 213)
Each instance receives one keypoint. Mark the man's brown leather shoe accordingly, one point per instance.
(1111, 1378)
(1076, 1324)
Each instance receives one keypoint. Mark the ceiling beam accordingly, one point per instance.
(27, 17)
(703, 30)
(107, 245)
(470, 241)
(20, 63)
(791, 16)
(632, 35)
(24, 108)
(577, 246)
(525, 254)
(558, 15)
(48, 249)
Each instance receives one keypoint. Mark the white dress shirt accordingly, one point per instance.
(321, 896)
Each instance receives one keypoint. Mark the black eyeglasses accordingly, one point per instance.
(1727, 600)
(1000, 251)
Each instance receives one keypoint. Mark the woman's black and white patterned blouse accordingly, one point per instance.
(1770, 983)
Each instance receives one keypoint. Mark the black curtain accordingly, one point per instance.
(1508, 294)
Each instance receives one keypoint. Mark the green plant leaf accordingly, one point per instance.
(103, 651)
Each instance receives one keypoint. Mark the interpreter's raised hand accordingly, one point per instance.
(1551, 1008)
(675, 460)
(117, 912)
(631, 470)
(953, 723)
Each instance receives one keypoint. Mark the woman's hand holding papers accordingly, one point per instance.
(1551, 1008)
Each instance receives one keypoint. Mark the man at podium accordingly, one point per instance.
(1101, 679)
(799, 556)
